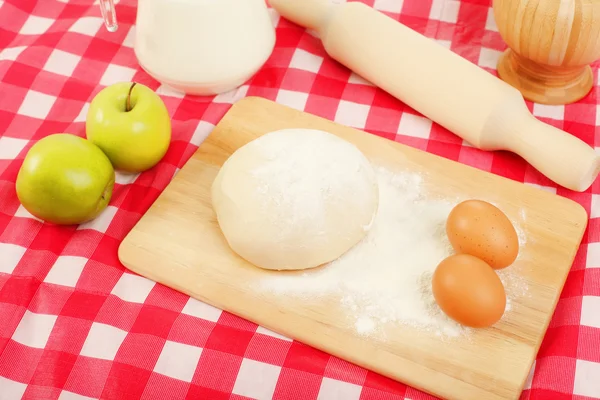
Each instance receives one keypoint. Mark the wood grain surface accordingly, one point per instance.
(178, 243)
(551, 46)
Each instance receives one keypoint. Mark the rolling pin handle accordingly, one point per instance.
(562, 157)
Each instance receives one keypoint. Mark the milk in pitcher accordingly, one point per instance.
(203, 47)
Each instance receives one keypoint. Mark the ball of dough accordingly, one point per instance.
(295, 199)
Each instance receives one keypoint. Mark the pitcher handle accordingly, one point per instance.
(107, 7)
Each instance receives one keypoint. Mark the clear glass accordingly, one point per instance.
(107, 7)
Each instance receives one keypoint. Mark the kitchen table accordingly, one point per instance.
(75, 324)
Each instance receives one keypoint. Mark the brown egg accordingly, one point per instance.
(469, 291)
(482, 230)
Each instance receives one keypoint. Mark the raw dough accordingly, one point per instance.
(295, 199)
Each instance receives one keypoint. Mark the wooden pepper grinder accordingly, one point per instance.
(551, 46)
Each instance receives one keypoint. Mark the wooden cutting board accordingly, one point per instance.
(178, 243)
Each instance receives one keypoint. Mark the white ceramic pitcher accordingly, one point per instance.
(200, 47)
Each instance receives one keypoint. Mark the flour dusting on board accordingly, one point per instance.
(386, 278)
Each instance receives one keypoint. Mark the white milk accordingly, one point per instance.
(203, 47)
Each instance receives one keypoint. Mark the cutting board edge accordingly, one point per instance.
(584, 217)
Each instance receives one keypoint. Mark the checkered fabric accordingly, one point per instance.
(74, 324)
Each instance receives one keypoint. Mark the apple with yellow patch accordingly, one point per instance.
(65, 180)
(131, 124)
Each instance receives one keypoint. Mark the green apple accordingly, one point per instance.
(65, 180)
(131, 124)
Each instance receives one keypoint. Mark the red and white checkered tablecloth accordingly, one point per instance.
(74, 324)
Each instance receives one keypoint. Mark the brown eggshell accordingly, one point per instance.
(482, 230)
(469, 291)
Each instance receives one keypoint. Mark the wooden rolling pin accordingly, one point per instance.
(445, 87)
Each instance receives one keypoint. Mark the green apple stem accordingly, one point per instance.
(128, 101)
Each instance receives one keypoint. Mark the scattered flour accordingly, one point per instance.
(514, 283)
(386, 278)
